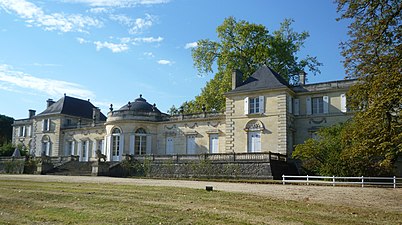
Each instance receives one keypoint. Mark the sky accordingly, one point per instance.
(111, 51)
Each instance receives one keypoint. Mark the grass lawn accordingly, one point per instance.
(28, 202)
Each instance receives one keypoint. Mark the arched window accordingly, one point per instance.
(46, 146)
(254, 129)
(140, 147)
(116, 142)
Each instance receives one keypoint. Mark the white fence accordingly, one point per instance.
(381, 181)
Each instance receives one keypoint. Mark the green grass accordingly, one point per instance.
(23, 202)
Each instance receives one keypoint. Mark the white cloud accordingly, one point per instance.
(191, 45)
(165, 62)
(117, 3)
(147, 39)
(81, 40)
(98, 10)
(34, 15)
(149, 54)
(135, 26)
(11, 79)
(115, 48)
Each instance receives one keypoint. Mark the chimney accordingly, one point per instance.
(237, 77)
(50, 102)
(31, 113)
(302, 78)
(95, 114)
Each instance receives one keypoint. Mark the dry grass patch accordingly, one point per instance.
(28, 202)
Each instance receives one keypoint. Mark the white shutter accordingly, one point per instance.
(132, 144)
(290, 104)
(296, 107)
(80, 150)
(261, 104)
(73, 148)
(246, 106)
(104, 145)
(326, 103)
(48, 124)
(43, 125)
(23, 131)
(29, 130)
(308, 105)
(149, 145)
(108, 147)
(343, 103)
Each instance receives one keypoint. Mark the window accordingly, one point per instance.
(190, 144)
(169, 145)
(140, 147)
(70, 148)
(254, 105)
(21, 132)
(213, 143)
(116, 142)
(99, 146)
(318, 105)
(46, 125)
(46, 146)
(84, 149)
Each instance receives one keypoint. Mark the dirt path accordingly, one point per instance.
(384, 198)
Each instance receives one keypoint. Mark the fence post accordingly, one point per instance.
(394, 182)
(362, 181)
(283, 179)
(333, 180)
(307, 180)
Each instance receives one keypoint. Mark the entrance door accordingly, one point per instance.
(213, 143)
(169, 146)
(254, 142)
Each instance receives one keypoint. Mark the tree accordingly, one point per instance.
(6, 129)
(246, 46)
(373, 55)
(323, 155)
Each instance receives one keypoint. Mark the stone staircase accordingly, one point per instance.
(72, 168)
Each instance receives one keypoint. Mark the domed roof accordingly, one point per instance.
(140, 105)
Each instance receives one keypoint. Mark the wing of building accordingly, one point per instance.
(263, 114)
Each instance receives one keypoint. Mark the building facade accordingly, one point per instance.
(263, 114)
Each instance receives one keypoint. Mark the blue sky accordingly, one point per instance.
(111, 51)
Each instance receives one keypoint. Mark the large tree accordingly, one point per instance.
(246, 46)
(373, 55)
(5, 129)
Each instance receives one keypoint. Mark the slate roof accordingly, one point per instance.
(140, 105)
(73, 107)
(262, 79)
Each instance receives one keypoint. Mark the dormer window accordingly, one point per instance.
(254, 105)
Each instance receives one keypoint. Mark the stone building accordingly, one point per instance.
(263, 114)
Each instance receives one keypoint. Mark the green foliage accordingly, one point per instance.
(6, 149)
(323, 155)
(246, 46)
(373, 55)
(6, 128)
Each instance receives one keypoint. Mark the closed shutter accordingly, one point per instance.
(308, 105)
(261, 104)
(343, 103)
(108, 147)
(296, 107)
(80, 150)
(326, 103)
(246, 111)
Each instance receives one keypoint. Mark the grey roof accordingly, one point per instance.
(73, 107)
(140, 105)
(263, 78)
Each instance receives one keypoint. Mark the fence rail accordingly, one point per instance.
(381, 181)
(216, 157)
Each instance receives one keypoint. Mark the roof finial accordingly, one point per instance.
(140, 95)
